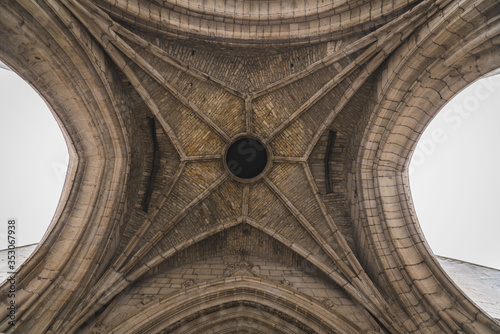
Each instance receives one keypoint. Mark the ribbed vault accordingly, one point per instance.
(154, 235)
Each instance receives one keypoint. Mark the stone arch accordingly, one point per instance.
(296, 309)
(240, 23)
(238, 318)
(416, 82)
(100, 65)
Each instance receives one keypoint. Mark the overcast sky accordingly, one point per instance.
(454, 175)
(34, 159)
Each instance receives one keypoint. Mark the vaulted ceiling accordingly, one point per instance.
(154, 234)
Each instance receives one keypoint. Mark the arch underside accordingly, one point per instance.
(236, 301)
(215, 267)
(287, 253)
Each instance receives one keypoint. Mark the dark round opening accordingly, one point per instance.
(246, 158)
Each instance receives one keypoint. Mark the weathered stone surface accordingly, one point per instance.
(285, 72)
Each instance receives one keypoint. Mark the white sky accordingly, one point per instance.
(34, 160)
(455, 179)
(454, 171)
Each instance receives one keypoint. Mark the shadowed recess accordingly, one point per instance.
(246, 158)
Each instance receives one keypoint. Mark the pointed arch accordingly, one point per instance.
(296, 309)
